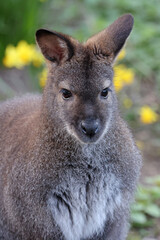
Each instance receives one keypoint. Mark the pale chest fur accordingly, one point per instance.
(81, 210)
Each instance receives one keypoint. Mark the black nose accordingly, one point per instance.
(89, 127)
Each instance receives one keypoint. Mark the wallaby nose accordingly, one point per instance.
(89, 127)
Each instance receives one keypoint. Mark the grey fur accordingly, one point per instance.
(56, 182)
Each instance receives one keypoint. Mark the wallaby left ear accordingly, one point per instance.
(56, 47)
(109, 42)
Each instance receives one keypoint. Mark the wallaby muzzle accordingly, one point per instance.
(90, 127)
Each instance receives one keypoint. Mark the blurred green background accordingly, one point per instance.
(138, 69)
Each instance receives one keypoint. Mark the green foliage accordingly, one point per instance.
(18, 20)
(147, 206)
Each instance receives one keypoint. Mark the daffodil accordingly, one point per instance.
(11, 58)
(21, 55)
(147, 115)
(122, 76)
(37, 58)
(121, 55)
(25, 52)
(118, 84)
(43, 78)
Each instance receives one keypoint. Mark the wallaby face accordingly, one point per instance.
(83, 93)
(80, 78)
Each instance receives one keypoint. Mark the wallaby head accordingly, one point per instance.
(79, 93)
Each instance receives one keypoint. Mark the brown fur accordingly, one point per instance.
(69, 167)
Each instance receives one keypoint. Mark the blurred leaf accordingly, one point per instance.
(138, 218)
(146, 207)
(138, 207)
(154, 192)
(153, 210)
(142, 194)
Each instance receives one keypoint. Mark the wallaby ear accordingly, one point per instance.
(109, 42)
(56, 47)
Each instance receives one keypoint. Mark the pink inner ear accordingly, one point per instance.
(53, 48)
(56, 48)
(59, 52)
(54, 54)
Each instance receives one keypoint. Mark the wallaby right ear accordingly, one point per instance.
(108, 43)
(56, 47)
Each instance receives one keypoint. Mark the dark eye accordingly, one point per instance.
(104, 92)
(66, 93)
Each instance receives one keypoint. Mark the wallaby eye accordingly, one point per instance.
(104, 92)
(66, 94)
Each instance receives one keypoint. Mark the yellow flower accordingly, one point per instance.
(22, 55)
(127, 102)
(37, 58)
(128, 76)
(43, 78)
(25, 52)
(11, 58)
(122, 76)
(118, 84)
(147, 115)
(121, 55)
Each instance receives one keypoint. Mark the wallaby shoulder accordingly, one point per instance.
(18, 123)
(19, 106)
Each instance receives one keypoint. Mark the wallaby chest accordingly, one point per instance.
(85, 200)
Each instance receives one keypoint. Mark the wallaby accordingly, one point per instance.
(68, 163)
